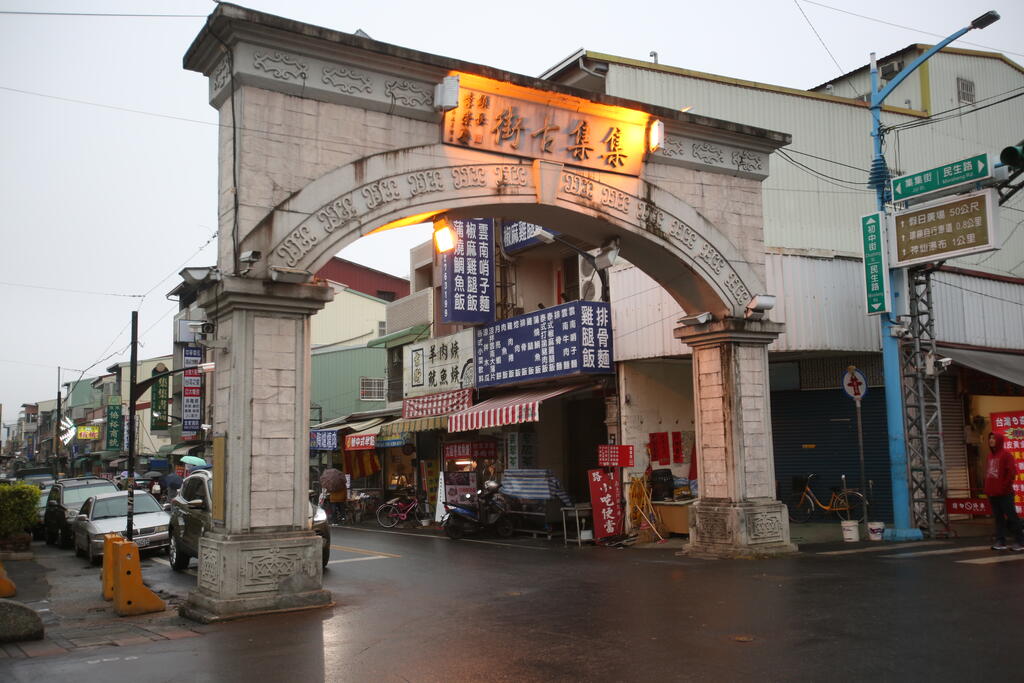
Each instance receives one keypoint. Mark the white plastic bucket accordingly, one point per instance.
(586, 535)
(876, 530)
(851, 530)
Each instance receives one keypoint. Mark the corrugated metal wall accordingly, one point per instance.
(972, 310)
(954, 447)
(816, 432)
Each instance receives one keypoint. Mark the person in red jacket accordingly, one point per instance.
(999, 475)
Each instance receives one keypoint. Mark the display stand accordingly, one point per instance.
(578, 514)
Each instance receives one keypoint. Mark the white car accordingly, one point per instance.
(108, 513)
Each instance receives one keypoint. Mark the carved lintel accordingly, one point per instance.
(280, 66)
(408, 94)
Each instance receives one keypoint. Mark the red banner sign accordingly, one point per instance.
(609, 455)
(471, 450)
(1011, 426)
(360, 442)
(968, 506)
(659, 448)
(604, 499)
(437, 404)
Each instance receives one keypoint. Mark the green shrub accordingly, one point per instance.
(17, 508)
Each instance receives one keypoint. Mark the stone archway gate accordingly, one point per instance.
(327, 136)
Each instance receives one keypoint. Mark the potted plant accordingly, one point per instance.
(17, 515)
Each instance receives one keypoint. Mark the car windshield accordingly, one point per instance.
(105, 508)
(76, 495)
(43, 495)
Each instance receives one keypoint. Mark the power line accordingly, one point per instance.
(104, 14)
(831, 161)
(938, 119)
(36, 365)
(817, 172)
(906, 28)
(974, 291)
(821, 40)
(72, 291)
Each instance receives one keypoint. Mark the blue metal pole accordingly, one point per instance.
(902, 530)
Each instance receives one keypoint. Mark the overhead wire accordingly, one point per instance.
(821, 40)
(72, 291)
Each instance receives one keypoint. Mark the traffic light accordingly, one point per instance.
(1013, 156)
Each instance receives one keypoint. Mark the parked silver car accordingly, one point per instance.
(108, 513)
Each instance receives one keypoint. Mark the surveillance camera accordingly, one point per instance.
(201, 327)
(250, 256)
(944, 363)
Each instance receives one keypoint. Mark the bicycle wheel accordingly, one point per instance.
(801, 507)
(849, 505)
(387, 516)
(422, 513)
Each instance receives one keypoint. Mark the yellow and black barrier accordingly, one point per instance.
(7, 587)
(122, 573)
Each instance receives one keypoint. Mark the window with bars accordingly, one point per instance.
(372, 389)
(382, 328)
(965, 91)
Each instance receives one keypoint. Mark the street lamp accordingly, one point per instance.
(879, 180)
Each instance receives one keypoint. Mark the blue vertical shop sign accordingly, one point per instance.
(467, 273)
(571, 339)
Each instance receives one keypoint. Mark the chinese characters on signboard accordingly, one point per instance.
(191, 392)
(499, 123)
(968, 506)
(611, 455)
(604, 499)
(158, 396)
(360, 442)
(519, 235)
(438, 365)
(471, 450)
(943, 230)
(323, 440)
(88, 433)
(569, 339)
(115, 434)
(1011, 426)
(467, 284)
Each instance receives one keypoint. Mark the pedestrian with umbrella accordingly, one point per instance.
(192, 461)
(334, 483)
(171, 483)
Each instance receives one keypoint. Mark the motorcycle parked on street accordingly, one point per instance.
(488, 513)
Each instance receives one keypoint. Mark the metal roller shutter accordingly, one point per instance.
(816, 432)
(954, 448)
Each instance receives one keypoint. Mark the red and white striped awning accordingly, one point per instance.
(510, 409)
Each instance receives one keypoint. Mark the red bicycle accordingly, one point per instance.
(408, 510)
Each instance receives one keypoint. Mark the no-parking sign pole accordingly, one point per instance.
(856, 386)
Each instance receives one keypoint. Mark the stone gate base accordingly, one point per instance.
(721, 528)
(248, 574)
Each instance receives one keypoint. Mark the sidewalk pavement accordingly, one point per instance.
(66, 593)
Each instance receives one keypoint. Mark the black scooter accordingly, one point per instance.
(488, 513)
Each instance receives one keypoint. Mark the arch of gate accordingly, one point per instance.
(667, 238)
(327, 136)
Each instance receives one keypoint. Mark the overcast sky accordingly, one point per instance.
(108, 156)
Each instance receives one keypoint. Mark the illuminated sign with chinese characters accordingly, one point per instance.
(570, 339)
(467, 281)
(520, 121)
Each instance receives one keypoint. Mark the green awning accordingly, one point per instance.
(409, 334)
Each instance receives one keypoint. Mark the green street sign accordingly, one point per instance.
(876, 269)
(971, 170)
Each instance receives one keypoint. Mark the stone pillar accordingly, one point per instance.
(261, 554)
(737, 513)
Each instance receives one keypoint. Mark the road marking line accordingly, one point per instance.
(362, 551)
(167, 563)
(993, 559)
(944, 551)
(363, 559)
(440, 538)
(880, 548)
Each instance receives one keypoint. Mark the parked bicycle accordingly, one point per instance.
(846, 503)
(403, 509)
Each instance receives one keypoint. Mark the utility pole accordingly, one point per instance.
(55, 419)
(131, 425)
(879, 179)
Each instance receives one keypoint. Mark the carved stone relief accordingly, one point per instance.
(713, 154)
(763, 527)
(347, 80)
(221, 76)
(280, 66)
(263, 568)
(746, 161)
(708, 153)
(408, 94)
(209, 568)
(713, 527)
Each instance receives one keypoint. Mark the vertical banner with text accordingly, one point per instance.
(467, 280)
(604, 499)
(1011, 426)
(191, 393)
(159, 394)
(115, 424)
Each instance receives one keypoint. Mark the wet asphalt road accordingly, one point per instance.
(412, 607)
